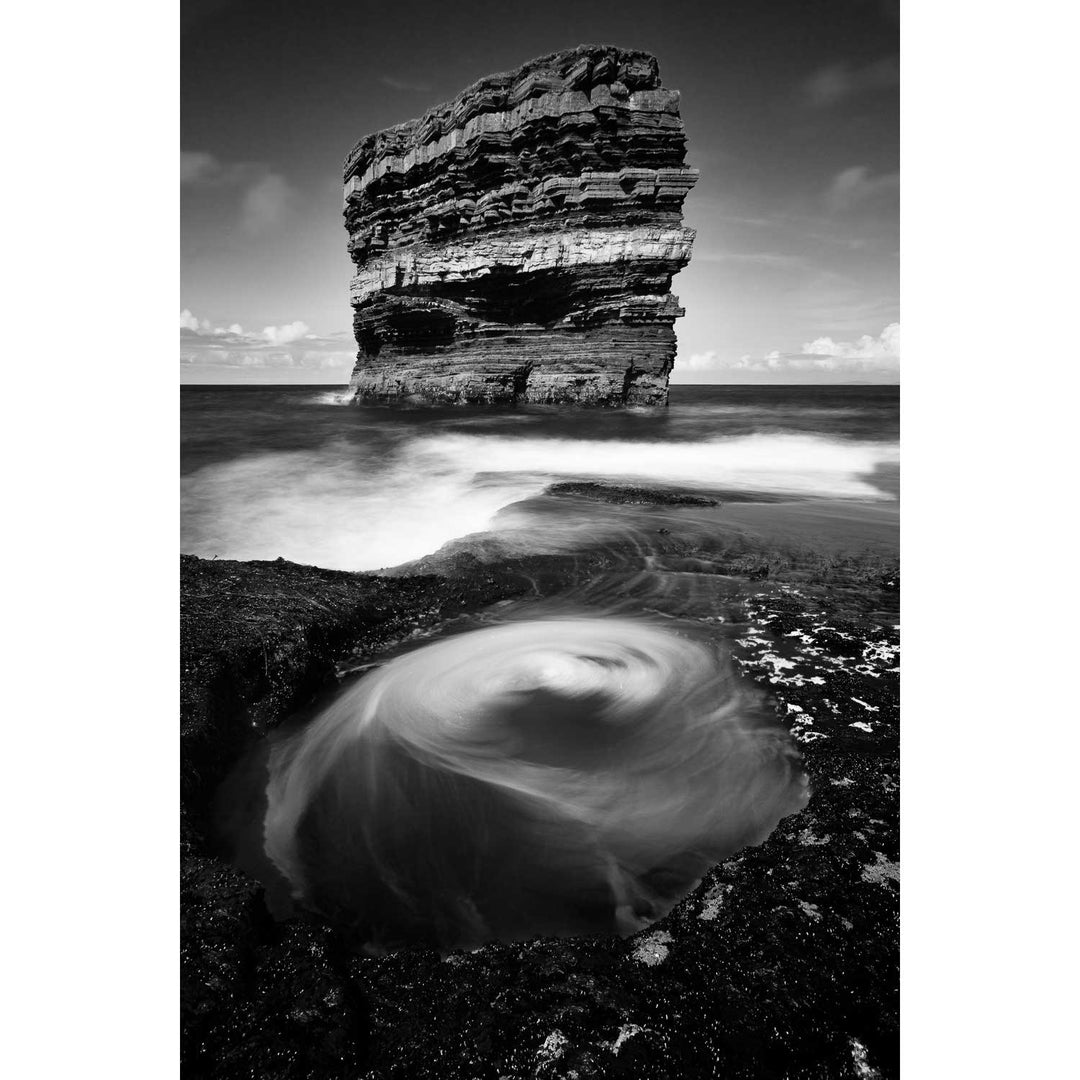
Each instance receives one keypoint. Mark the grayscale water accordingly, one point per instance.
(573, 760)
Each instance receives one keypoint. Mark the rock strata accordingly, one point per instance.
(518, 243)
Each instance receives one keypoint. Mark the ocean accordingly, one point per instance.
(692, 596)
(294, 472)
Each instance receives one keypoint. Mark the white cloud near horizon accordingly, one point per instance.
(189, 322)
(867, 355)
(885, 346)
(291, 345)
(284, 335)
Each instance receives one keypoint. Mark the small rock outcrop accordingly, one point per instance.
(518, 243)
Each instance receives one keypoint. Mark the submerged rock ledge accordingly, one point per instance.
(518, 243)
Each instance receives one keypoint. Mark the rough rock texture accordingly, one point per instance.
(622, 495)
(783, 963)
(259, 642)
(518, 243)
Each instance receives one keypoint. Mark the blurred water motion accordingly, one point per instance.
(271, 472)
(561, 776)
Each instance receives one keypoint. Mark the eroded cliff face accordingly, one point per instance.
(518, 243)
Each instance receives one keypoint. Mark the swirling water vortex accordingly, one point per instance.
(563, 777)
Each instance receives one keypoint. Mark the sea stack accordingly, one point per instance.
(517, 244)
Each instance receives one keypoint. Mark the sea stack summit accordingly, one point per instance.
(517, 244)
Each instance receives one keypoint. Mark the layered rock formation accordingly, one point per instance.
(518, 243)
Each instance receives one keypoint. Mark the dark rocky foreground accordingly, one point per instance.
(783, 963)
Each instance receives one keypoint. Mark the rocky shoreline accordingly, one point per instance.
(784, 962)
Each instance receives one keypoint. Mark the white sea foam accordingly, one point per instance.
(326, 508)
(777, 464)
(337, 507)
(340, 396)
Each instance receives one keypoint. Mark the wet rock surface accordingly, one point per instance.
(259, 640)
(517, 244)
(782, 963)
(629, 496)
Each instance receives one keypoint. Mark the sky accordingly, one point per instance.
(791, 109)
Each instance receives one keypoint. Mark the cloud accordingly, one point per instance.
(404, 84)
(189, 322)
(265, 196)
(197, 167)
(284, 335)
(291, 345)
(838, 82)
(706, 361)
(265, 204)
(856, 185)
(865, 356)
(885, 346)
(713, 361)
(200, 169)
